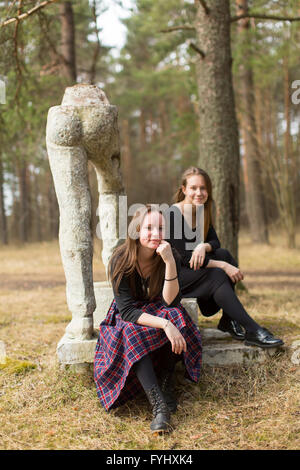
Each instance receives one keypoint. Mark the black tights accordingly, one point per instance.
(145, 371)
(226, 298)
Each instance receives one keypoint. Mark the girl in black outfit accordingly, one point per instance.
(209, 272)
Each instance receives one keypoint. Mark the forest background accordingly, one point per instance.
(157, 84)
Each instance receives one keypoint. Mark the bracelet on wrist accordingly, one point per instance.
(168, 321)
(173, 278)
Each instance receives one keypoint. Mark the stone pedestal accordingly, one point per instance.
(192, 308)
(104, 296)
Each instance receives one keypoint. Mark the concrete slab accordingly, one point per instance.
(235, 353)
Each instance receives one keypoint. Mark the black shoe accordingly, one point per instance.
(233, 328)
(262, 338)
(168, 390)
(160, 410)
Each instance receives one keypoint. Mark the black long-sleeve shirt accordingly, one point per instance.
(175, 218)
(125, 298)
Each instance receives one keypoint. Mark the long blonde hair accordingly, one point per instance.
(179, 195)
(124, 257)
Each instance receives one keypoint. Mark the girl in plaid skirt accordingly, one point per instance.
(146, 330)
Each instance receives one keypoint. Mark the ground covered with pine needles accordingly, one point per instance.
(42, 407)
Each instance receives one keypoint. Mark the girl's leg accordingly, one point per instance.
(226, 298)
(255, 335)
(226, 323)
(146, 375)
(168, 361)
(167, 358)
(145, 372)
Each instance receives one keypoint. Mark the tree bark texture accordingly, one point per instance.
(219, 140)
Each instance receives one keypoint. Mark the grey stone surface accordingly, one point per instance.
(104, 296)
(83, 128)
(72, 351)
(209, 334)
(191, 306)
(2, 353)
(234, 353)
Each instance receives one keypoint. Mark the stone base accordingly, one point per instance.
(2, 353)
(219, 349)
(75, 352)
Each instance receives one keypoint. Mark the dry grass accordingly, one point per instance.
(237, 408)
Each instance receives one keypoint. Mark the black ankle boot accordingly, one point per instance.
(160, 410)
(168, 390)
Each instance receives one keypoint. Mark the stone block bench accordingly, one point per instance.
(219, 349)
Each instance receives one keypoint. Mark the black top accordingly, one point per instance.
(174, 218)
(125, 299)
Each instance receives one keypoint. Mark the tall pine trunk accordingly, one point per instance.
(255, 200)
(289, 165)
(24, 205)
(68, 41)
(219, 140)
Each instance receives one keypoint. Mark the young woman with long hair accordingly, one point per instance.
(209, 272)
(146, 330)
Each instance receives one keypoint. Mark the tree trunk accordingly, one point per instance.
(142, 131)
(38, 222)
(68, 41)
(255, 201)
(289, 163)
(24, 209)
(219, 140)
(126, 153)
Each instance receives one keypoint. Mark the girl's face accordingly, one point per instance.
(195, 191)
(152, 230)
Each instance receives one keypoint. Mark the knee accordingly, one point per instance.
(225, 255)
(219, 274)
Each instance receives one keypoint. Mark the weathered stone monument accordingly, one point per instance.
(83, 128)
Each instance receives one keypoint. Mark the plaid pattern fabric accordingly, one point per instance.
(121, 344)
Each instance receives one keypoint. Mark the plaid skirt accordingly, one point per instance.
(121, 344)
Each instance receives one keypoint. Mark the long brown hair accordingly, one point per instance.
(179, 195)
(124, 258)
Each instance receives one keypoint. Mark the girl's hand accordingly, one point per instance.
(234, 273)
(165, 251)
(177, 340)
(198, 257)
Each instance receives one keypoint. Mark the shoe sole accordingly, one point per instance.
(263, 346)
